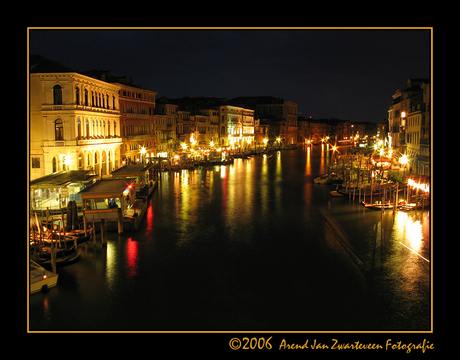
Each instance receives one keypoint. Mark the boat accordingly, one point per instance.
(328, 178)
(323, 179)
(40, 279)
(336, 192)
(64, 257)
(377, 206)
(67, 239)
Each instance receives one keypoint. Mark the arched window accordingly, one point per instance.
(77, 95)
(58, 130)
(87, 128)
(57, 94)
(86, 97)
(78, 128)
(54, 165)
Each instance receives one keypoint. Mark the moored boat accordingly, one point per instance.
(377, 206)
(323, 179)
(40, 279)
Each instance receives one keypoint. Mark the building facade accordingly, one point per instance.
(403, 101)
(166, 118)
(236, 126)
(137, 117)
(74, 121)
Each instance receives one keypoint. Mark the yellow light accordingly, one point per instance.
(403, 159)
(184, 146)
(403, 114)
(278, 139)
(67, 160)
(212, 143)
(265, 140)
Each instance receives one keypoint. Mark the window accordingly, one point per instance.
(35, 163)
(86, 97)
(77, 95)
(57, 93)
(79, 128)
(58, 130)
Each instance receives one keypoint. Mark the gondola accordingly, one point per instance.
(377, 206)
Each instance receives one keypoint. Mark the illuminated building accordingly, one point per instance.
(74, 121)
(137, 110)
(236, 126)
(403, 102)
(166, 117)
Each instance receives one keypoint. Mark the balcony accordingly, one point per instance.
(98, 141)
(73, 107)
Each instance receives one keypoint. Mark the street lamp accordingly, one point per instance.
(143, 151)
(404, 160)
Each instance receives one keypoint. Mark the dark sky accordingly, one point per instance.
(347, 74)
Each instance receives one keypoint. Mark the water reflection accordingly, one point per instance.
(251, 246)
(132, 257)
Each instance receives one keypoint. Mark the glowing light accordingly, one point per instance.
(423, 187)
(184, 146)
(403, 159)
(66, 160)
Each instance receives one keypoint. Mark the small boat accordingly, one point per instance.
(323, 179)
(63, 257)
(336, 193)
(40, 279)
(377, 206)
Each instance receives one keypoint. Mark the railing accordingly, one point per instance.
(99, 141)
(79, 107)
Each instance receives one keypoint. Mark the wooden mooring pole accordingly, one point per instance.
(103, 231)
(120, 220)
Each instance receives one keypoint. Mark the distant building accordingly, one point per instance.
(166, 118)
(269, 109)
(236, 126)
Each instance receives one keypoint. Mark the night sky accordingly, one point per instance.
(345, 74)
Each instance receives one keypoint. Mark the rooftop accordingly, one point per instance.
(105, 188)
(62, 178)
(131, 170)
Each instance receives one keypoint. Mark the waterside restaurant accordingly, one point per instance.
(121, 200)
(54, 191)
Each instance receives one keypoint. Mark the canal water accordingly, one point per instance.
(251, 246)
